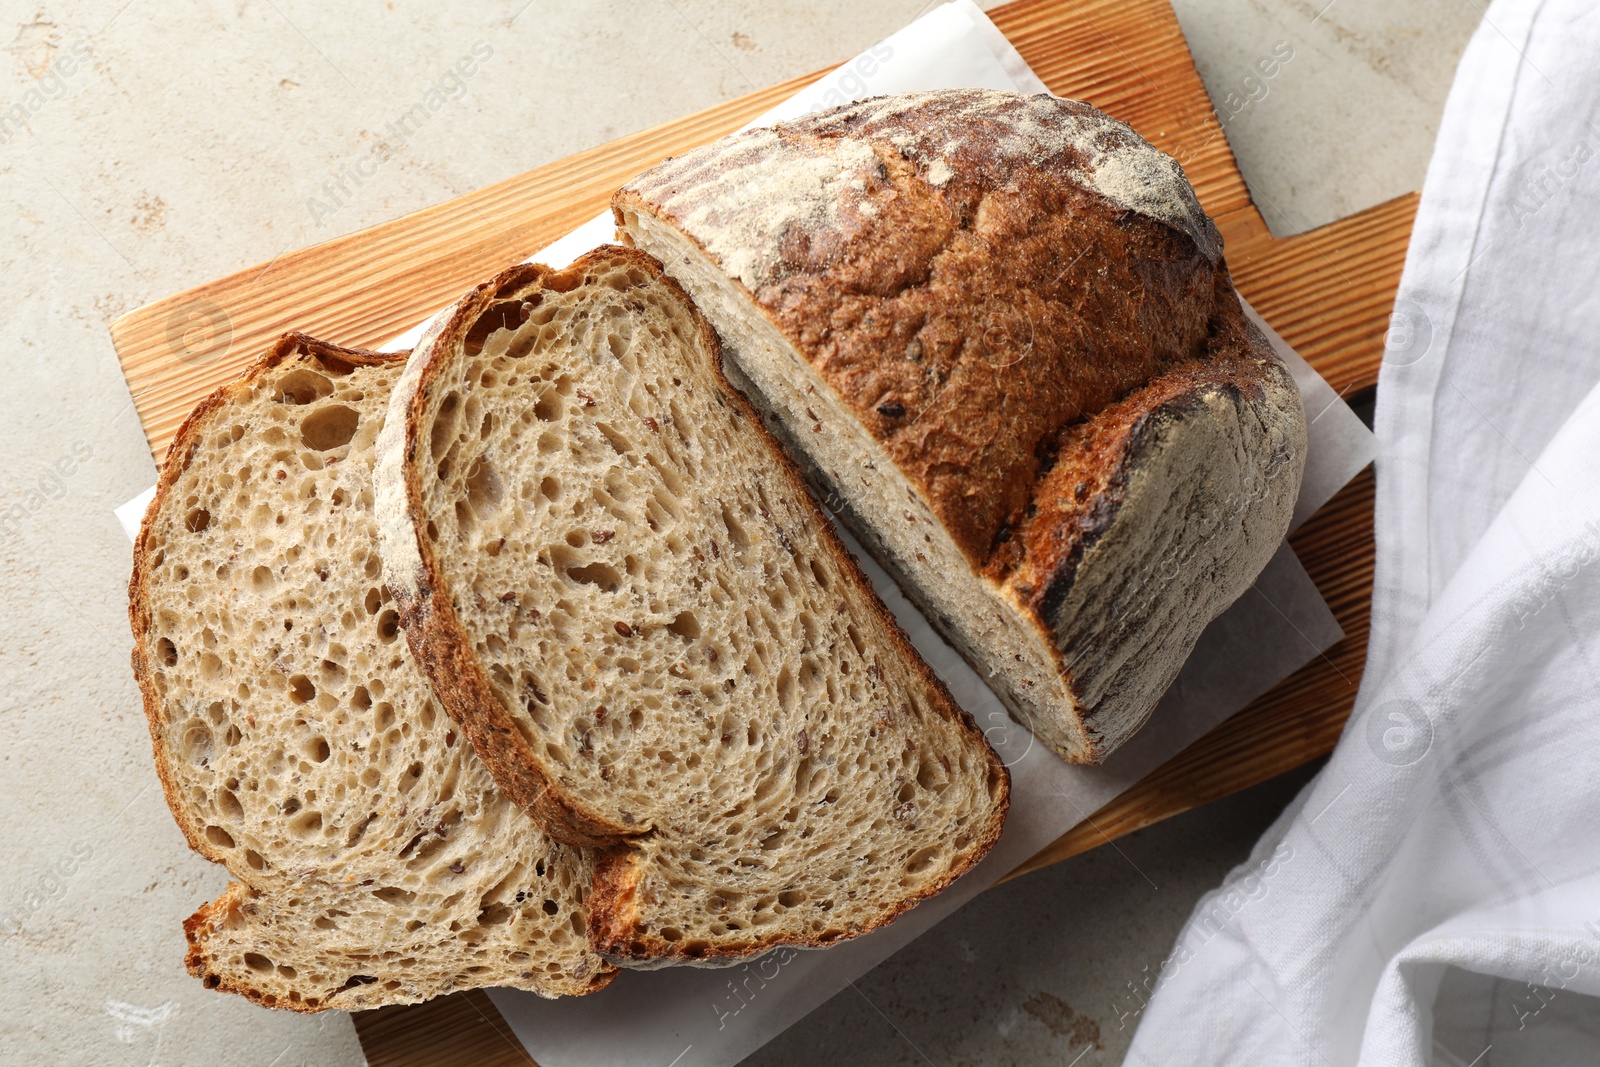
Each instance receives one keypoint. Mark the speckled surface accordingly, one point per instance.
(145, 148)
(1331, 106)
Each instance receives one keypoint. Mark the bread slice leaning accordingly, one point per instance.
(297, 741)
(619, 585)
(998, 333)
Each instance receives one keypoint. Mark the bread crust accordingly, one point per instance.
(911, 250)
(439, 640)
(179, 455)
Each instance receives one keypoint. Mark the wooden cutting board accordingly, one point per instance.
(1328, 292)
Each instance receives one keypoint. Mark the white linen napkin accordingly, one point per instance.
(1433, 896)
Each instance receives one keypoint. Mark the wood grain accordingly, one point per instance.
(464, 1028)
(1328, 292)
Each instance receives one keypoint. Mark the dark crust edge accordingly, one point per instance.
(1170, 411)
(180, 454)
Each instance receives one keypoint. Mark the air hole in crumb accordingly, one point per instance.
(602, 575)
(551, 489)
(388, 625)
(329, 427)
(506, 315)
(261, 579)
(484, 489)
(390, 894)
(166, 652)
(736, 530)
(219, 837)
(619, 444)
(685, 625)
(257, 962)
(444, 426)
(197, 519)
(300, 689)
(303, 387)
(318, 749)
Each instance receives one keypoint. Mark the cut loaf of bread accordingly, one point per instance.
(999, 334)
(654, 639)
(297, 741)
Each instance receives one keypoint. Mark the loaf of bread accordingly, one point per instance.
(620, 587)
(1000, 335)
(297, 741)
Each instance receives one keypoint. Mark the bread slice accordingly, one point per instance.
(619, 585)
(999, 334)
(297, 741)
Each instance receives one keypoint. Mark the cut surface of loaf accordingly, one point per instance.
(998, 333)
(298, 742)
(657, 643)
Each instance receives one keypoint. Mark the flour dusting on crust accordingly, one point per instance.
(800, 179)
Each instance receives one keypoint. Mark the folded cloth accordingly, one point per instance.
(1433, 896)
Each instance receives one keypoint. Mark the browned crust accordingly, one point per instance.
(1080, 492)
(179, 455)
(473, 703)
(198, 927)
